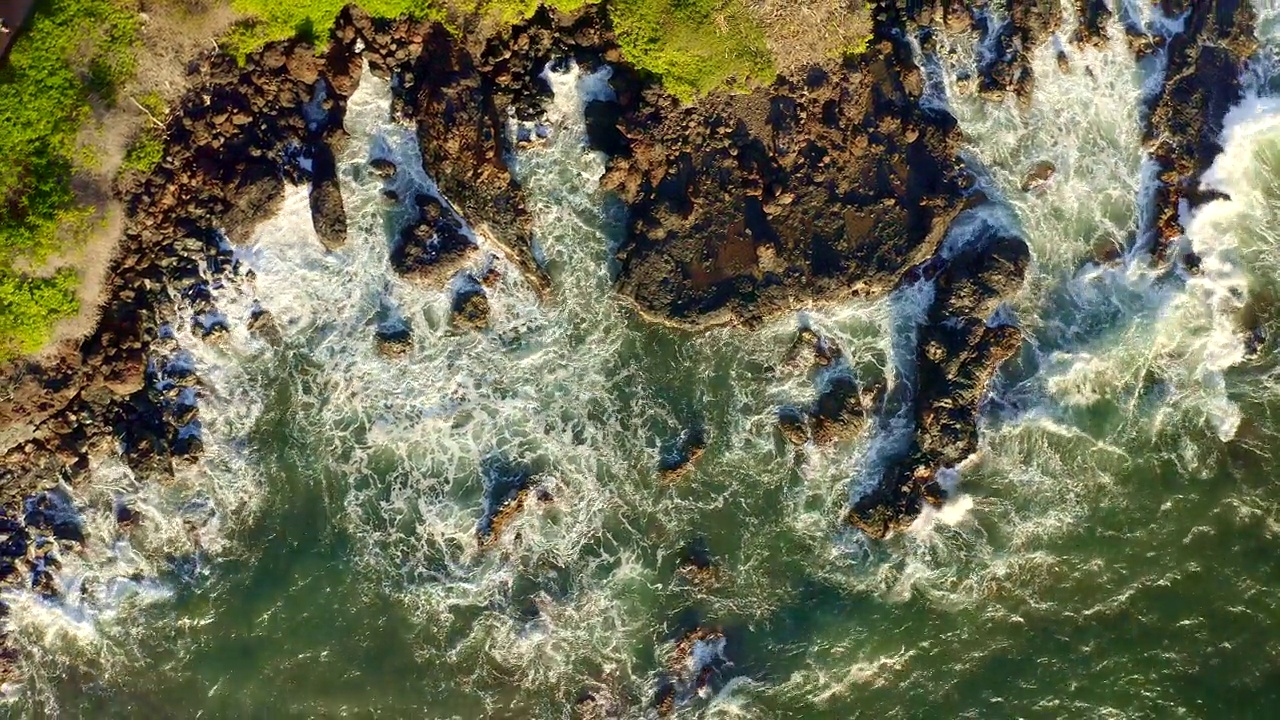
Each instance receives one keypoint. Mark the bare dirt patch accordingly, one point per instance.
(803, 33)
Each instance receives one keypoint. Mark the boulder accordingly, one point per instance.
(328, 214)
(434, 248)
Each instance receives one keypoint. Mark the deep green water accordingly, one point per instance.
(1111, 553)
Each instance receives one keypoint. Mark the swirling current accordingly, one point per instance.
(1111, 551)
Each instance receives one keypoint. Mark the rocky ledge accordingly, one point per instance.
(1202, 83)
(821, 187)
(959, 347)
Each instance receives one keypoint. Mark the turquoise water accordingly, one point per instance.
(1110, 553)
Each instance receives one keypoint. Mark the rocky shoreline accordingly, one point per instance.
(831, 184)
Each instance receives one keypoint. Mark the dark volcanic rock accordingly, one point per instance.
(1008, 69)
(1093, 16)
(1202, 83)
(463, 98)
(470, 307)
(818, 188)
(676, 463)
(394, 340)
(434, 248)
(508, 488)
(844, 402)
(958, 353)
(327, 212)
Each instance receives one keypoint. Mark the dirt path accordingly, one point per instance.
(14, 13)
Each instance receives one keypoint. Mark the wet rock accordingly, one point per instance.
(263, 324)
(821, 187)
(394, 339)
(958, 352)
(433, 249)
(677, 463)
(1091, 28)
(1039, 174)
(697, 566)
(692, 666)
(470, 307)
(843, 404)
(383, 168)
(508, 489)
(1008, 67)
(327, 212)
(793, 423)
(1202, 84)
(842, 409)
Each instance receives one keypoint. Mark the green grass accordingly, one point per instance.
(29, 308)
(310, 20)
(73, 52)
(693, 46)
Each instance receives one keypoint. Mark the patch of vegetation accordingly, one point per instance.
(309, 20)
(74, 53)
(146, 150)
(693, 46)
(29, 308)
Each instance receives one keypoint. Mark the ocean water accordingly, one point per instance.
(1111, 552)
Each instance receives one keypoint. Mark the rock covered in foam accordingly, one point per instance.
(433, 248)
(677, 462)
(469, 309)
(844, 403)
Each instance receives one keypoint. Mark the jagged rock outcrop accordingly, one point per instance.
(1026, 27)
(958, 352)
(469, 309)
(222, 170)
(844, 404)
(1201, 85)
(508, 488)
(821, 187)
(677, 462)
(1092, 18)
(462, 99)
(434, 247)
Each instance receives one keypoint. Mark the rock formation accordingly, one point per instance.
(1202, 82)
(821, 187)
(958, 350)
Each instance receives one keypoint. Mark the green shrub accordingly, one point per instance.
(29, 307)
(145, 152)
(73, 49)
(693, 46)
(72, 52)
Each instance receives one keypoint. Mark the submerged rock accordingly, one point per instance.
(692, 665)
(675, 464)
(508, 489)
